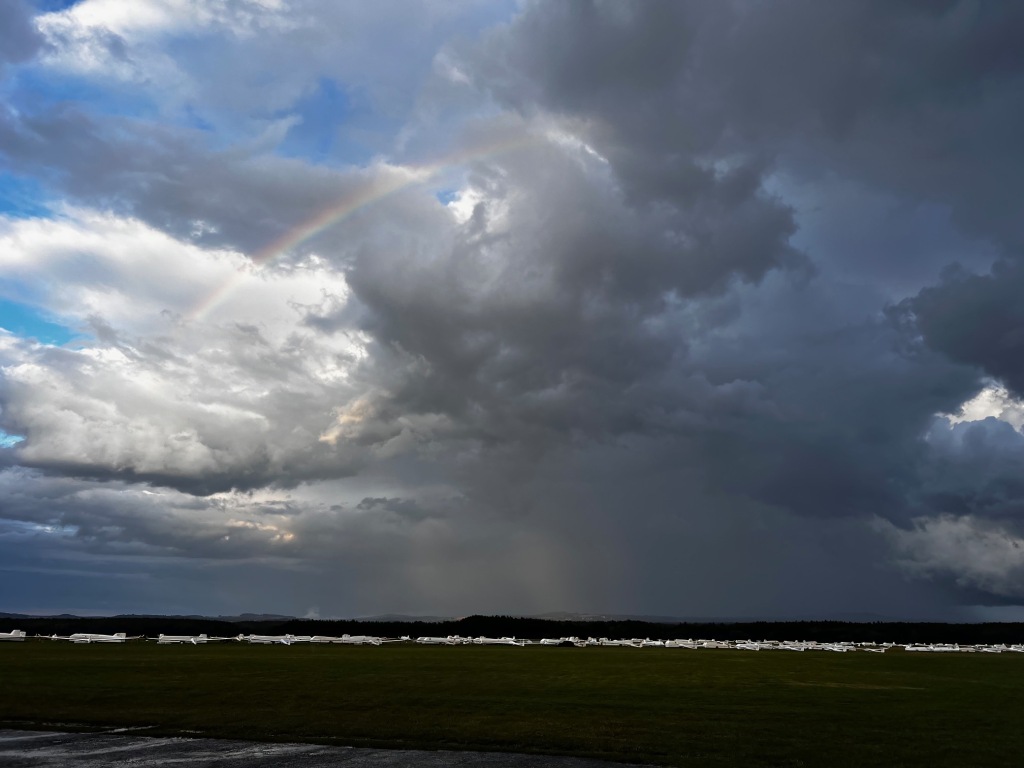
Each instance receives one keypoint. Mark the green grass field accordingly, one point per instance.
(668, 706)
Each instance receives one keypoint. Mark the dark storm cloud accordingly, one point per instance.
(978, 320)
(921, 97)
(915, 97)
(975, 470)
(557, 308)
(695, 104)
(597, 325)
(800, 404)
(19, 39)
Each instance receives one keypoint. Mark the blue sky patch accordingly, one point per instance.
(8, 440)
(36, 90)
(22, 198)
(323, 112)
(446, 196)
(52, 6)
(30, 323)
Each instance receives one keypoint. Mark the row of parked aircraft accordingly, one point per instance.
(743, 645)
(957, 648)
(121, 637)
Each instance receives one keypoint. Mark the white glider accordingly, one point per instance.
(91, 637)
(182, 639)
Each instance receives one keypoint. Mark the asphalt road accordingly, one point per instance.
(35, 749)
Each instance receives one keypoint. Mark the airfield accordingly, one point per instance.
(653, 705)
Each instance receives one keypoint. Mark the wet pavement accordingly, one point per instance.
(35, 749)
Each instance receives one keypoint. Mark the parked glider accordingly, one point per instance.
(91, 637)
(182, 639)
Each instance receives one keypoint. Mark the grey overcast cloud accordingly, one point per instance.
(698, 309)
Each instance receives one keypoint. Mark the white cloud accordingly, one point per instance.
(141, 280)
(145, 19)
(126, 41)
(994, 401)
(162, 391)
(250, 59)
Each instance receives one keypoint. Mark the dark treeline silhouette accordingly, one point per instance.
(498, 626)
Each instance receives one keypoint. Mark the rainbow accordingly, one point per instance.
(386, 181)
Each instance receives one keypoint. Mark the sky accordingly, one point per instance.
(704, 308)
